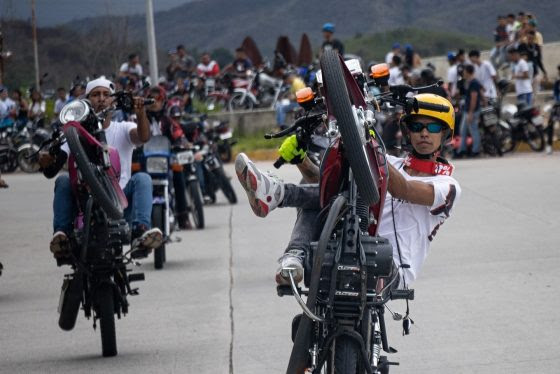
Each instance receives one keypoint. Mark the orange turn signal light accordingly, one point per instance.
(177, 167)
(136, 167)
(304, 95)
(379, 71)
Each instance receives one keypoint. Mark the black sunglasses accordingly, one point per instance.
(432, 127)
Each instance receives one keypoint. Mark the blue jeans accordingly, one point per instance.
(525, 98)
(138, 192)
(282, 110)
(473, 130)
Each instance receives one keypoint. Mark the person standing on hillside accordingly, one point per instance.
(471, 111)
(330, 42)
(485, 74)
(521, 75)
(395, 51)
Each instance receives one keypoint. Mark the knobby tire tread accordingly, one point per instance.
(339, 99)
(101, 196)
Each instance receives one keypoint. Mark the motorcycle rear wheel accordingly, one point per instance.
(237, 102)
(507, 138)
(346, 355)
(341, 107)
(28, 165)
(534, 136)
(102, 191)
(106, 314)
(196, 204)
(158, 220)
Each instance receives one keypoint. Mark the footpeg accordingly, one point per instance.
(284, 291)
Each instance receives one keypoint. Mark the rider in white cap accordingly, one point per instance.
(123, 136)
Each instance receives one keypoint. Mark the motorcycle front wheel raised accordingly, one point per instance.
(106, 314)
(158, 220)
(99, 183)
(341, 108)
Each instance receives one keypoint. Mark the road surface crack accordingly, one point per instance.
(231, 321)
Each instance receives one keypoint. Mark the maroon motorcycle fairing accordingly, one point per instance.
(332, 176)
(113, 172)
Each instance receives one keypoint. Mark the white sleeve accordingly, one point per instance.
(126, 127)
(523, 66)
(124, 67)
(451, 75)
(446, 192)
(491, 69)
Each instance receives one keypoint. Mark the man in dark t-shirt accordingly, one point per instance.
(330, 42)
(471, 111)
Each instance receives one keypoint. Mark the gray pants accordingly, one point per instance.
(305, 197)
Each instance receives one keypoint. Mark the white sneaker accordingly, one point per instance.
(548, 149)
(265, 191)
(146, 242)
(292, 261)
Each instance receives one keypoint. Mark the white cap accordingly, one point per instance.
(100, 82)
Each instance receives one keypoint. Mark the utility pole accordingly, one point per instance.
(152, 56)
(35, 49)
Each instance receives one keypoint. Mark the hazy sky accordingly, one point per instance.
(53, 12)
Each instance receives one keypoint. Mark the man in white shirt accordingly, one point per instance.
(421, 195)
(7, 108)
(520, 73)
(485, 74)
(131, 72)
(395, 51)
(395, 73)
(455, 73)
(124, 137)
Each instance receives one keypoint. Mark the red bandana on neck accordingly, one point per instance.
(428, 166)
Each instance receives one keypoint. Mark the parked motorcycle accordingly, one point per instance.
(34, 136)
(263, 91)
(527, 126)
(215, 177)
(100, 279)
(156, 159)
(185, 157)
(342, 328)
(220, 133)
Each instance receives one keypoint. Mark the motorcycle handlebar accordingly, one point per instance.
(279, 162)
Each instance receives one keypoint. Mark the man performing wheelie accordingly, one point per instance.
(123, 136)
(422, 193)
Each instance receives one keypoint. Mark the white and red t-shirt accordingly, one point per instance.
(416, 225)
(210, 70)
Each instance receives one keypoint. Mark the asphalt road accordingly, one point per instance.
(487, 300)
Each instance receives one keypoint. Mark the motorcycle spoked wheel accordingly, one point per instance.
(238, 103)
(534, 136)
(341, 107)
(158, 220)
(11, 164)
(99, 183)
(27, 163)
(507, 138)
(225, 184)
(105, 303)
(195, 202)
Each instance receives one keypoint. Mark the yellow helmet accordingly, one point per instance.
(448, 118)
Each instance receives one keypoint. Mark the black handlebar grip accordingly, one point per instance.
(279, 162)
(434, 107)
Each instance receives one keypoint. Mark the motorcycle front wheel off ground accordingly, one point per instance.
(341, 108)
(158, 220)
(99, 183)
(106, 314)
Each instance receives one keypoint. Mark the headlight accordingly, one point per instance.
(76, 110)
(156, 165)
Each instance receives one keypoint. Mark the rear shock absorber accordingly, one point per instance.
(362, 210)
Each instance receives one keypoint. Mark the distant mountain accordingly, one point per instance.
(211, 24)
